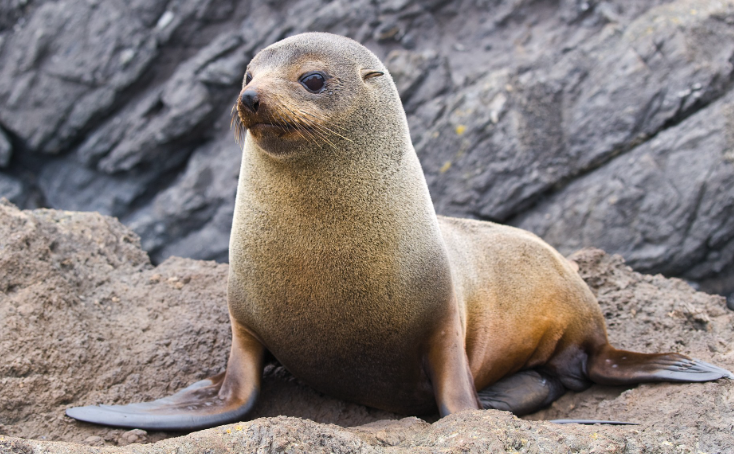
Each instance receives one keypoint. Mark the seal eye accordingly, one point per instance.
(314, 82)
(248, 77)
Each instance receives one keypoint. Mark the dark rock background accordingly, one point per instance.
(592, 123)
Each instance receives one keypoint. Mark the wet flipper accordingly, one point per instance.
(221, 399)
(618, 367)
(522, 393)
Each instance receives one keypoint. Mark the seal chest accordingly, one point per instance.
(329, 271)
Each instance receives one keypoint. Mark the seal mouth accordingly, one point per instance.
(265, 129)
(275, 120)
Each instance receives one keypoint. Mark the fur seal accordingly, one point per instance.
(341, 270)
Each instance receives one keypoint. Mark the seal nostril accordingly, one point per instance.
(250, 100)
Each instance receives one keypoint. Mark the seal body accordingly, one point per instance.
(295, 243)
(330, 266)
(537, 313)
(340, 268)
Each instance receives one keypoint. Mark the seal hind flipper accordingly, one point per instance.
(221, 399)
(610, 366)
(522, 393)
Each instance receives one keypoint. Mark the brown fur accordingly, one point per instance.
(340, 265)
(344, 272)
(341, 269)
(331, 267)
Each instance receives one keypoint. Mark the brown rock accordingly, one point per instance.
(107, 327)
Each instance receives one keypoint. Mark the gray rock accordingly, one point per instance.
(193, 217)
(66, 183)
(6, 150)
(420, 76)
(11, 189)
(664, 205)
(124, 107)
(572, 115)
(67, 65)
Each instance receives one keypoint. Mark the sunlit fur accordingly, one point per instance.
(340, 268)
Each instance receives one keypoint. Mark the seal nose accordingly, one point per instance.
(250, 99)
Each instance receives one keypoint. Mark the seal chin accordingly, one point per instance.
(259, 130)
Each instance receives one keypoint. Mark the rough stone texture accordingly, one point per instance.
(6, 150)
(85, 318)
(689, 214)
(123, 107)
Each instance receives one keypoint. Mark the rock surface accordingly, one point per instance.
(85, 319)
(594, 123)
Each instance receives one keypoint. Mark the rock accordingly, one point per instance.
(134, 436)
(419, 75)
(11, 189)
(193, 217)
(68, 57)
(117, 107)
(680, 178)
(6, 150)
(94, 441)
(85, 319)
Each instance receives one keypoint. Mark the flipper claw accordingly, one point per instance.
(693, 370)
(618, 367)
(592, 421)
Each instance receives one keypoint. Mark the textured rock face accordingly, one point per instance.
(86, 319)
(596, 123)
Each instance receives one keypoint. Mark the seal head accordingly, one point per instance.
(299, 94)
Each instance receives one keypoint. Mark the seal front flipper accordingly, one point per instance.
(522, 393)
(448, 368)
(221, 399)
(610, 366)
(195, 407)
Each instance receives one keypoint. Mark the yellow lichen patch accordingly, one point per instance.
(446, 166)
(238, 428)
(461, 129)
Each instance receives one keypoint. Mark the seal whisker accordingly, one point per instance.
(314, 127)
(236, 124)
(318, 122)
(299, 129)
(294, 122)
(320, 118)
(288, 124)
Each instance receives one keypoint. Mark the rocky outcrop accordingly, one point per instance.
(86, 319)
(595, 123)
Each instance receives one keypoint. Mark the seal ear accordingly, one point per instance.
(370, 73)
